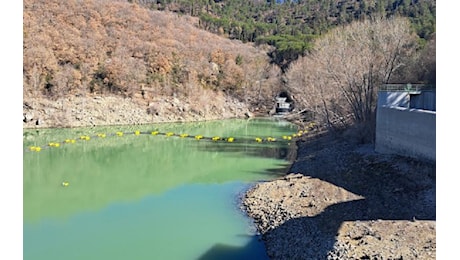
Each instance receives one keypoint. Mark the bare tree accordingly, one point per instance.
(342, 74)
(35, 81)
(421, 66)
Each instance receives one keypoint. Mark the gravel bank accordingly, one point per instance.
(341, 200)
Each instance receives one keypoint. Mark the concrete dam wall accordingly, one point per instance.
(408, 132)
(406, 124)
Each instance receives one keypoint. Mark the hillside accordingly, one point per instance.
(153, 60)
(291, 26)
(95, 48)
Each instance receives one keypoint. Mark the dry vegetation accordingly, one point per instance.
(339, 79)
(87, 48)
(101, 47)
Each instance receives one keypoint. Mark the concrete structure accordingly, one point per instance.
(406, 121)
(283, 103)
(282, 106)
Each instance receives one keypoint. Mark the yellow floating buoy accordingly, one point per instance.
(169, 134)
(271, 139)
(85, 137)
(69, 141)
(101, 135)
(216, 138)
(119, 133)
(154, 132)
(54, 144)
(230, 139)
(35, 148)
(258, 139)
(198, 137)
(183, 135)
(137, 132)
(65, 183)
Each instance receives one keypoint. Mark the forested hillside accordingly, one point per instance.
(116, 47)
(333, 54)
(291, 25)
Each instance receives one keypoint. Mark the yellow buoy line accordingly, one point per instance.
(84, 138)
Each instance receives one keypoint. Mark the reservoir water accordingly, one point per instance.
(148, 192)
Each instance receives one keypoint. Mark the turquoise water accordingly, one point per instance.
(147, 196)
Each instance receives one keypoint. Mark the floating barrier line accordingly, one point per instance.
(84, 138)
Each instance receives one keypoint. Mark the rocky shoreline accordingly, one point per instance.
(341, 200)
(79, 111)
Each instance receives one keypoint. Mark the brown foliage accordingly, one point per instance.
(99, 46)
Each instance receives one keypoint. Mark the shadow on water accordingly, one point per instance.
(254, 249)
(279, 151)
(278, 172)
(263, 150)
(388, 194)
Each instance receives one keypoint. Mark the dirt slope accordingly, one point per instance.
(344, 201)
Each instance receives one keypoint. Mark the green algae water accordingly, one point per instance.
(137, 193)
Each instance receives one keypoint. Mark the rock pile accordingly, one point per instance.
(341, 200)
